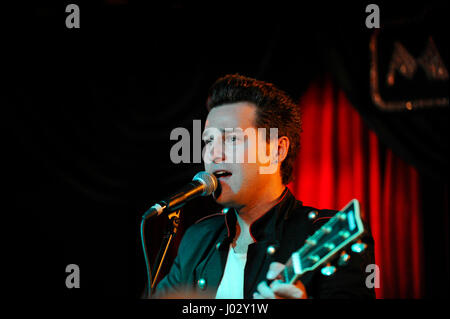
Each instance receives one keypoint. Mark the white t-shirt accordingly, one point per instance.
(232, 283)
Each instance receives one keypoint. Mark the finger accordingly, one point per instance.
(283, 290)
(257, 296)
(264, 290)
(275, 269)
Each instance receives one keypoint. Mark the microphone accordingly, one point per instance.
(203, 184)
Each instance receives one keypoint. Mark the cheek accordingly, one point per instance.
(250, 151)
(239, 154)
(248, 173)
(207, 162)
(266, 152)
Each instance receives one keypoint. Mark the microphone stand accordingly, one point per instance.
(172, 228)
(202, 184)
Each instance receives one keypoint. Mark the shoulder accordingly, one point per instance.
(212, 218)
(207, 224)
(298, 211)
(319, 216)
(315, 217)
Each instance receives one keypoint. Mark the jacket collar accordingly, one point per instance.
(266, 227)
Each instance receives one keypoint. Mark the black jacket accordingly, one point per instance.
(200, 263)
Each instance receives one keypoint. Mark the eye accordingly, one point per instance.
(235, 139)
(231, 138)
(208, 140)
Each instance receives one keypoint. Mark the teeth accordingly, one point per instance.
(222, 173)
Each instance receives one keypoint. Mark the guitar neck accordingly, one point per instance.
(291, 273)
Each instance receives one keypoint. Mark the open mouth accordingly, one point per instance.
(222, 174)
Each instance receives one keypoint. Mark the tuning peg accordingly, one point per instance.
(328, 270)
(359, 247)
(344, 258)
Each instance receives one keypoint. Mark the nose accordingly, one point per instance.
(216, 151)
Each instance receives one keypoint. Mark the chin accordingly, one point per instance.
(223, 199)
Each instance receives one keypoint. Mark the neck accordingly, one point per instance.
(267, 198)
(247, 214)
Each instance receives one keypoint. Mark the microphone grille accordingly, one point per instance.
(207, 179)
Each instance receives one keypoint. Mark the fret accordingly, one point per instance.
(289, 272)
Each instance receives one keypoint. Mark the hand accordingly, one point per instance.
(278, 289)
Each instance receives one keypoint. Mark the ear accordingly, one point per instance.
(283, 148)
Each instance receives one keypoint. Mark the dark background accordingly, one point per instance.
(88, 113)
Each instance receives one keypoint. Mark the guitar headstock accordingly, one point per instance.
(340, 231)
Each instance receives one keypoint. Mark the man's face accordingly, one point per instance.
(232, 155)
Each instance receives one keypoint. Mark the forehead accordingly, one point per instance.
(235, 115)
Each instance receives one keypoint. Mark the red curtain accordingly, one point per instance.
(341, 159)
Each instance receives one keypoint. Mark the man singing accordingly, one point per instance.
(232, 254)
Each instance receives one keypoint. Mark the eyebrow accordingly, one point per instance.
(214, 128)
(222, 130)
